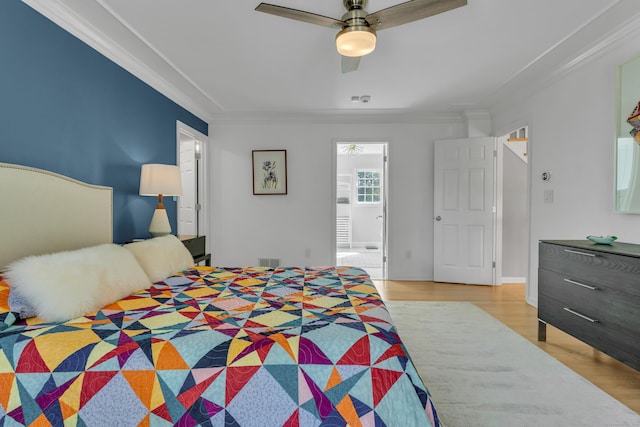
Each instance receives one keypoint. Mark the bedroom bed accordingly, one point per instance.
(183, 345)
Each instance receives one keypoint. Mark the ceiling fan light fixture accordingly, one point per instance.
(356, 41)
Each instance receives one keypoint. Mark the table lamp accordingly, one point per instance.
(160, 180)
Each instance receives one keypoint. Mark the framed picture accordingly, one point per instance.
(269, 171)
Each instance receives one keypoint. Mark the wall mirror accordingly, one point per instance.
(627, 179)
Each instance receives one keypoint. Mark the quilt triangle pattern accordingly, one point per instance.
(294, 346)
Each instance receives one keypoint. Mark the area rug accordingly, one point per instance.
(481, 373)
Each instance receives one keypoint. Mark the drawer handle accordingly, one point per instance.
(593, 288)
(581, 315)
(580, 253)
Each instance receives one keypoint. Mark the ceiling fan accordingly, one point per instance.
(357, 35)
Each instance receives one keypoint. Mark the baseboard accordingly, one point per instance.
(514, 280)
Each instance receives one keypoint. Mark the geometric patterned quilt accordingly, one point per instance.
(222, 347)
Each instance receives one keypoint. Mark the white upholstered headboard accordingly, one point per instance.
(44, 212)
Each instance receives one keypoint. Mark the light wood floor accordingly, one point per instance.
(507, 304)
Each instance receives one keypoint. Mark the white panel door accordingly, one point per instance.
(463, 220)
(187, 215)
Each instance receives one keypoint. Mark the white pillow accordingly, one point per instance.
(161, 257)
(65, 285)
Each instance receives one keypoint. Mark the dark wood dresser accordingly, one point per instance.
(593, 293)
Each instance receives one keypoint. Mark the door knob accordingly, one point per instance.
(438, 218)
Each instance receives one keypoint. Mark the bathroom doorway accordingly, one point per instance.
(361, 206)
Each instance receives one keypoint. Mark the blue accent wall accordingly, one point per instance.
(66, 108)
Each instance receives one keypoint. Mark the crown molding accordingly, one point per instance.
(149, 66)
(604, 32)
(112, 35)
(335, 117)
(476, 114)
(162, 77)
(617, 35)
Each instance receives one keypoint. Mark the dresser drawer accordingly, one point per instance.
(607, 340)
(593, 293)
(611, 308)
(618, 272)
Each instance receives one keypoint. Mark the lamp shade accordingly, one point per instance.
(156, 179)
(357, 40)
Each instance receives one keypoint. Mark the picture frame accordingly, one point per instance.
(269, 172)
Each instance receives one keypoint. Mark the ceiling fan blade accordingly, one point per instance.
(411, 11)
(350, 63)
(299, 15)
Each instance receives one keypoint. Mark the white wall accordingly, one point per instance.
(572, 131)
(515, 223)
(298, 228)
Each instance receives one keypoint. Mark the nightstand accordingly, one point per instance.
(197, 248)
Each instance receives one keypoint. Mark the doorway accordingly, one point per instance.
(491, 247)
(361, 206)
(512, 205)
(191, 149)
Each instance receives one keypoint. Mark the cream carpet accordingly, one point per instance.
(481, 373)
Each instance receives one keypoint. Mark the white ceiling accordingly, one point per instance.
(222, 58)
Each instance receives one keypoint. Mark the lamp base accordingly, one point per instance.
(159, 223)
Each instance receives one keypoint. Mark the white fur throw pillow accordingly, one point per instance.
(161, 257)
(65, 285)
